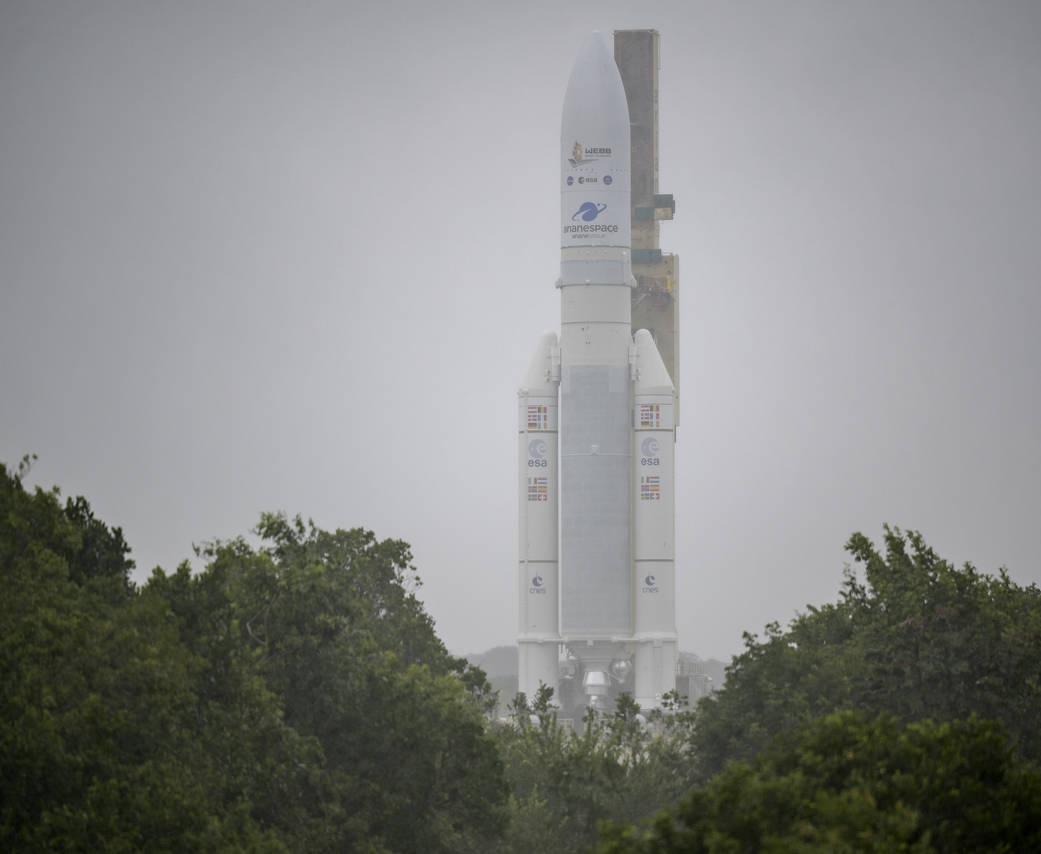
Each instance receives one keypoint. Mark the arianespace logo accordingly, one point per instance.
(588, 212)
(537, 585)
(649, 447)
(650, 584)
(581, 155)
(584, 219)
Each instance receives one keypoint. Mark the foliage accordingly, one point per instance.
(95, 697)
(293, 697)
(34, 523)
(916, 637)
(846, 783)
(563, 784)
(330, 623)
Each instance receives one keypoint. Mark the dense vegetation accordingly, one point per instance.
(294, 696)
(902, 717)
(565, 784)
(912, 636)
(849, 783)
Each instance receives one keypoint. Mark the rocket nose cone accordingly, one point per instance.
(594, 47)
(594, 149)
(595, 94)
(594, 66)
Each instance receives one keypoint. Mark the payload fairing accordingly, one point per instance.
(597, 431)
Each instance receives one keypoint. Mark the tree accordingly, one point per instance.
(293, 697)
(914, 637)
(96, 698)
(31, 522)
(330, 622)
(564, 784)
(847, 783)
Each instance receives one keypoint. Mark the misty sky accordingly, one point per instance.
(259, 256)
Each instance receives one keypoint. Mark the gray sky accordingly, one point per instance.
(260, 256)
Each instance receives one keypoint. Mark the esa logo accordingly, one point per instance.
(649, 449)
(537, 585)
(537, 451)
(650, 584)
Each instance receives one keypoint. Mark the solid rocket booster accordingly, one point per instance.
(539, 636)
(609, 400)
(654, 524)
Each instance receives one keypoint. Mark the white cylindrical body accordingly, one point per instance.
(654, 549)
(538, 488)
(596, 462)
(595, 343)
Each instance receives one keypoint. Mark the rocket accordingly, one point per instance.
(596, 437)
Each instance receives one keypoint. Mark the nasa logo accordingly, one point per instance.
(608, 179)
(588, 211)
(570, 180)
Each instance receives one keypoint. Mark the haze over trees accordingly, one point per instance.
(294, 696)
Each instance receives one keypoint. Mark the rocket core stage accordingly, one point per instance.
(596, 436)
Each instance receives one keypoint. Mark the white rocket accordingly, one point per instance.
(597, 432)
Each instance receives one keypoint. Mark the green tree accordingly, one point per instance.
(258, 759)
(911, 635)
(34, 522)
(846, 783)
(563, 784)
(96, 697)
(293, 697)
(331, 624)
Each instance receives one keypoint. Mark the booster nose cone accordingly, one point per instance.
(594, 141)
